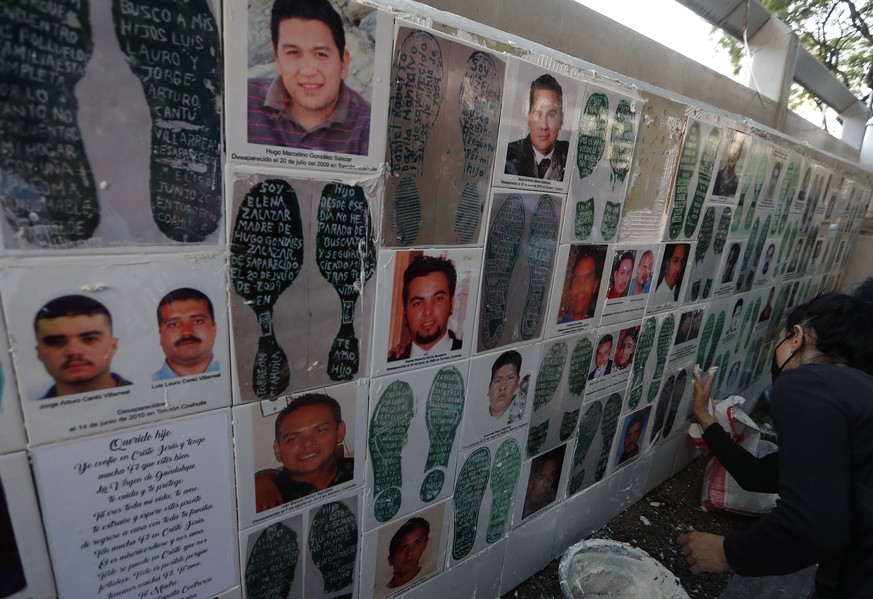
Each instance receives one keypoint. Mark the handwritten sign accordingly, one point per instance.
(587, 431)
(480, 116)
(687, 165)
(469, 491)
(346, 255)
(549, 377)
(580, 360)
(542, 243)
(644, 346)
(568, 424)
(536, 436)
(333, 544)
(583, 222)
(704, 236)
(665, 341)
(272, 564)
(47, 191)
(592, 134)
(417, 74)
(504, 245)
(146, 513)
(389, 428)
(175, 51)
(608, 424)
(442, 415)
(266, 255)
(609, 224)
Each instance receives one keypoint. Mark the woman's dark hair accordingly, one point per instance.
(841, 325)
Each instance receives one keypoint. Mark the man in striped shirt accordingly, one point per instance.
(308, 105)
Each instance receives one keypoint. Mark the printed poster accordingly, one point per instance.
(579, 289)
(116, 341)
(693, 179)
(145, 510)
(283, 111)
(629, 283)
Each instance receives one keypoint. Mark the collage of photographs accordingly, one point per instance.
(354, 307)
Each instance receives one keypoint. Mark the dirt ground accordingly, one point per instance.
(652, 524)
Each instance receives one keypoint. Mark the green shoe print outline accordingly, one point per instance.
(387, 435)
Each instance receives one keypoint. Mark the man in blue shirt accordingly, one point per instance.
(186, 322)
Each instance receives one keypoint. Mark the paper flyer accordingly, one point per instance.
(520, 252)
(630, 281)
(413, 438)
(536, 148)
(709, 254)
(670, 278)
(103, 344)
(694, 173)
(561, 381)
(541, 484)
(483, 502)
(754, 185)
(654, 344)
(790, 185)
(615, 348)
(671, 411)
(690, 320)
(594, 441)
(633, 432)
(733, 160)
(124, 148)
(404, 553)
(426, 307)
(777, 169)
(499, 393)
(608, 127)
(316, 455)
(281, 111)
(444, 109)
(145, 511)
(302, 260)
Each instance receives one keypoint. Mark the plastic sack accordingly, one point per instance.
(721, 493)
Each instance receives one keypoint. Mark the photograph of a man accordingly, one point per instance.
(505, 377)
(727, 179)
(307, 104)
(428, 300)
(672, 272)
(582, 283)
(74, 342)
(309, 436)
(731, 263)
(736, 316)
(602, 360)
(627, 347)
(768, 307)
(405, 550)
(634, 427)
(186, 322)
(643, 280)
(540, 154)
(768, 258)
(622, 271)
(542, 484)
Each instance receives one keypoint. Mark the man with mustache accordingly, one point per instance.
(74, 342)
(186, 322)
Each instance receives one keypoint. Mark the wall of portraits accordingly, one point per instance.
(323, 299)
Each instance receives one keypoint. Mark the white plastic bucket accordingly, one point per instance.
(600, 568)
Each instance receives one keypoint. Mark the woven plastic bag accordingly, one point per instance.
(721, 492)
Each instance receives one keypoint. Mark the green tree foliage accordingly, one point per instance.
(837, 32)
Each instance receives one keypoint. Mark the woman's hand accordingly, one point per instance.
(704, 552)
(702, 393)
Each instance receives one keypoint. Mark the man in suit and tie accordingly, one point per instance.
(602, 363)
(540, 154)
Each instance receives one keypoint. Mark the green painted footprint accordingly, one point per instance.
(665, 341)
(548, 380)
(716, 337)
(675, 400)
(747, 255)
(687, 165)
(592, 134)
(705, 337)
(644, 346)
(583, 222)
(568, 424)
(504, 477)
(608, 424)
(501, 252)
(707, 161)
(580, 360)
(333, 545)
(536, 436)
(754, 310)
(469, 491)
(621, 146)
(587, 430)
(609, 224)
(412, 111)
(389, 428)
(704, 240)
(542, 244)
(480, 115)
(662, 406)
(272, 563)
(443, 412)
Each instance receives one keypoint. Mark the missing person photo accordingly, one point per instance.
(582, 283)
(671, 274)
